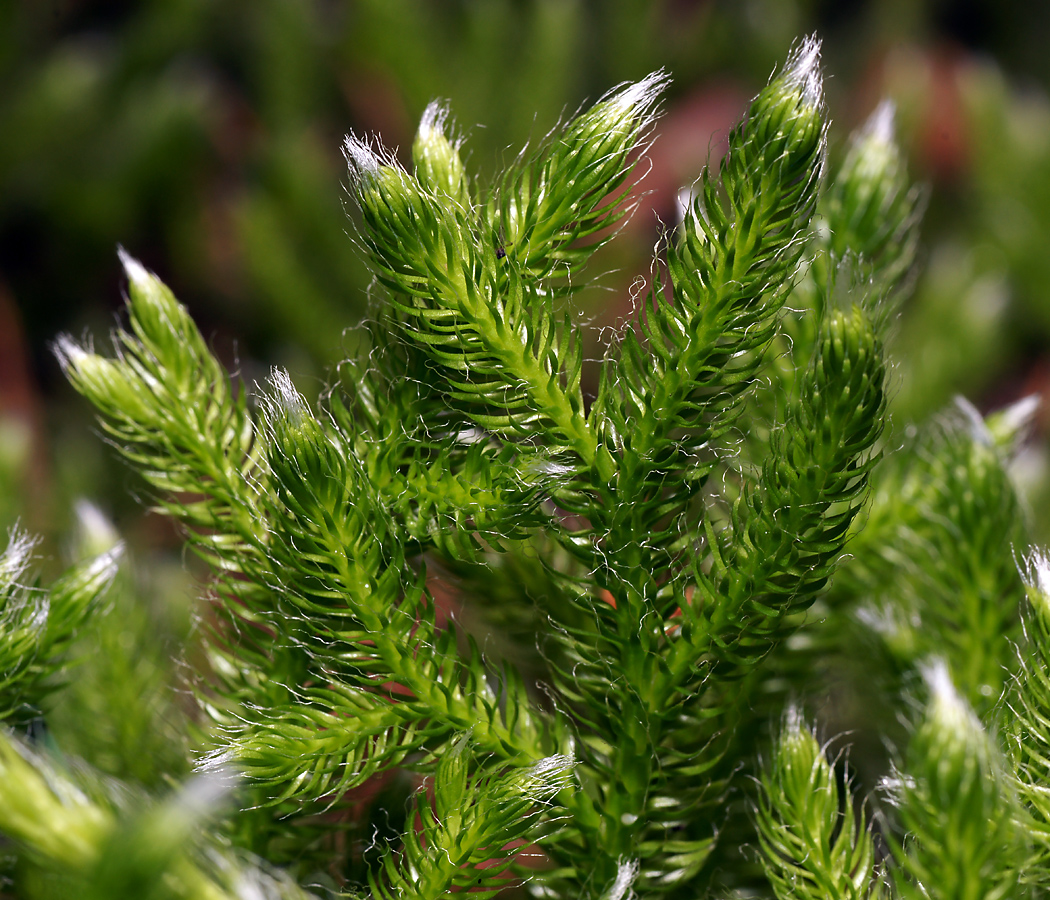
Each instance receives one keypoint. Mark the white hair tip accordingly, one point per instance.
(640, 96)
(364, 162)
(880, 125)
(68, 352)
(433, 120)
(16, 557)
(803, 70)
(939, 681)
(288, 402)
(1039, 572)
(626, 873)
(136, 273)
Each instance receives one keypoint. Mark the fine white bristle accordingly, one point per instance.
(1039, 572)
(289, 402)
(105, 565)
(640, 96)
(555, 767)
(626, 873)
(203, 793)
(16, 557)
(364, 162)
(803, 71)
(136, 273)
(544, 779)
(432, 122)
(893, 786)
(68, 352)
(216, 761)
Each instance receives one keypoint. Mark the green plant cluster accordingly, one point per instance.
(645, 579)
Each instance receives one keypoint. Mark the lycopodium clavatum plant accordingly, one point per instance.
(474, 628)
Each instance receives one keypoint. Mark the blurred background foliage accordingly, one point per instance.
(204, 136)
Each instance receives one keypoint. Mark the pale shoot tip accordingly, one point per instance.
(1011, 427)
(948, 711)
(69, 353)
(104, 566)
(626, 873)
(203, 794)
(16, 557)
(432, 122)
(288, 403)
(1038, 575)
(363, 161)
(552, 765)
(794, 721)
(137, 274)
(639, 97)
(880, 126)
(802, 71)
(939, 682)
(548, 776)
(1018, 416)
(95, 533)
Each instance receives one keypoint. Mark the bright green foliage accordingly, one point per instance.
(662, 402)
(470, 831)
(169, 406)
(871, 209)
(1028, 727)
(812, 839)
(956, 804)
(119, 710)
(37, 626)
(935, 561)
(959, 831)
(78, 840)
(863, 241)
(645, 561)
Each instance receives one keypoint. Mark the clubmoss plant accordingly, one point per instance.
(645, 578)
